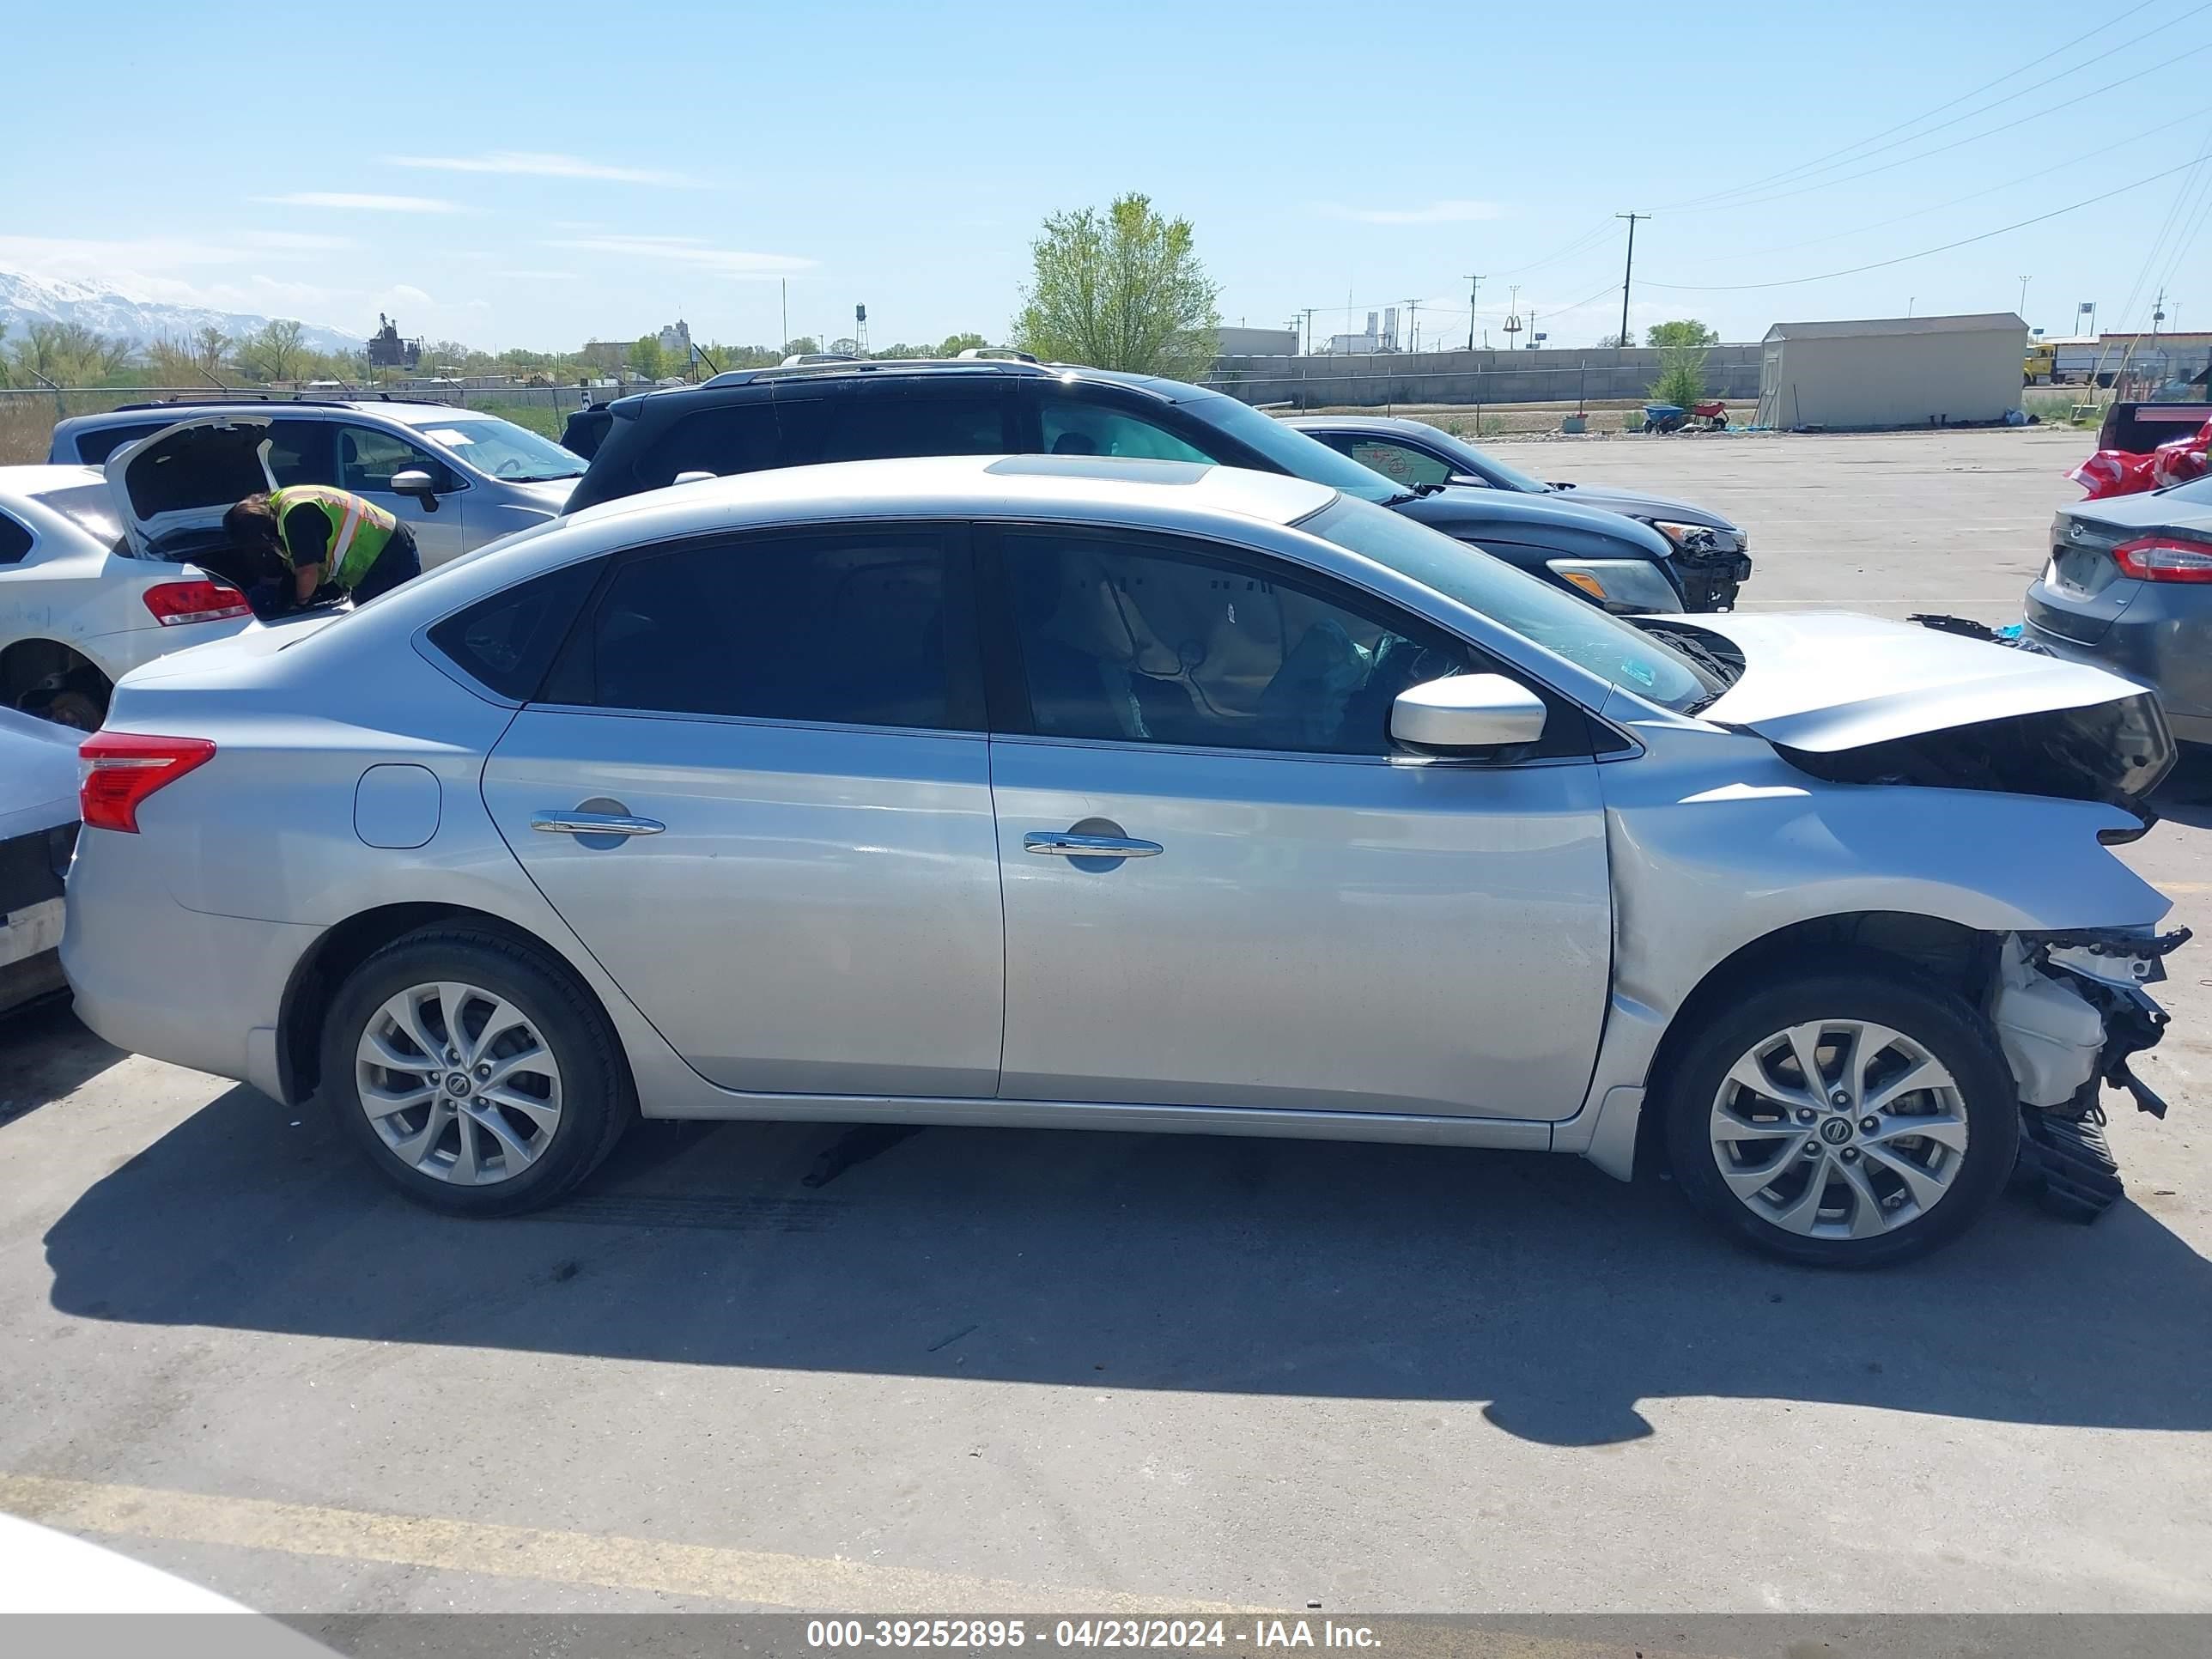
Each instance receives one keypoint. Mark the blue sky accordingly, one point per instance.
(534, 175)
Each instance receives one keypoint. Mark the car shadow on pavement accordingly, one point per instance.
(1530, 1282)
(46, 1054)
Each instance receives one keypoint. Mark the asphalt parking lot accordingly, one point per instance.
(999, 1369)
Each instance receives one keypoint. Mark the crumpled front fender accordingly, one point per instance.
(1706, 861)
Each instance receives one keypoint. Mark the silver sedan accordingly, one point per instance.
(1074, 793)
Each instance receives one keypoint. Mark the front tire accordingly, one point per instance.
(474, 1072)
(1850, 1118)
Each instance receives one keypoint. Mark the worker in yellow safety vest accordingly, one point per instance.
(326, 536)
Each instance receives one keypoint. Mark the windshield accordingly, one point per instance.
(505, 450)
(1621, 654)
(1484, 465)
(90, 508)
(1300, 456)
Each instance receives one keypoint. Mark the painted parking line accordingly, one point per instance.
(757, 1577)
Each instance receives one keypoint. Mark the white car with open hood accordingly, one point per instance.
(1063, 791)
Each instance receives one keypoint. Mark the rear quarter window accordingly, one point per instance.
(507, 641)
(95, 446)
(14, 541)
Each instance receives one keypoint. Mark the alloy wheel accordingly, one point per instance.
(458, 1084)
(1839, 1128)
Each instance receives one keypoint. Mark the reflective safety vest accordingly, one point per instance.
(359, 530)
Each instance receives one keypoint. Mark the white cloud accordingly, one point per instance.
(689, 251)
(542, 164)
(105, 257)
(409, 291)
(296, 241)
(335, 198)
(538, 276)
(1452, 212)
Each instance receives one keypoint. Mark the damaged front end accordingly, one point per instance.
(2070, 1012)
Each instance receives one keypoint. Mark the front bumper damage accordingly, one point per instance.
(2070, 1012)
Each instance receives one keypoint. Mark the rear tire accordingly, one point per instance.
(1843, 1193)
(474, 1072)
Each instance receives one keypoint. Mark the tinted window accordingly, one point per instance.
(886, 423)
(1397, 462)
(1142, 640)
(1072, 427)
(507, 641)
(94, 447)
(300, 451)
(851, 629)
(734, 438)
(368, 459)
(14, 541)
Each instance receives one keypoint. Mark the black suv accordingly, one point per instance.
(801, 414)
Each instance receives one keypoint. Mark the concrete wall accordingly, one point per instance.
(1892, 379)
(1474, 377)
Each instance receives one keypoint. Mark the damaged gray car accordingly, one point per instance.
(1071, 791)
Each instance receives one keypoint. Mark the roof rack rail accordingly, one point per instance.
(994, 354)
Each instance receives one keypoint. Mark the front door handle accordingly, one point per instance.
(555, 823)
(1068, 844)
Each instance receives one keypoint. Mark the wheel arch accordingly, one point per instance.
(24, 662)
(344, 946)
(1950, 952)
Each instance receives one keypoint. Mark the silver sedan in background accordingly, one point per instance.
(1072, 792)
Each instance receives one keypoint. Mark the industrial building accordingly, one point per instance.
(1892, 372)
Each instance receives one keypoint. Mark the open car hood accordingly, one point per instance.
(184, 478)
(1858, 700)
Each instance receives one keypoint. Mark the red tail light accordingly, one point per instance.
(122, 769)
(176, 603)
(2165, 558)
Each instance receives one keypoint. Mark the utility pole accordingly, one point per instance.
(1628, 271)
(2024, 281)
(786, 309)
(1413, 310)
(1474, 288)
(1309, 350)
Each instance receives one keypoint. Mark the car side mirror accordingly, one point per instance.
(1468, 711)
(416, 482)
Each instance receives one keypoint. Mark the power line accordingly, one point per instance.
(1604, 230)
(1956, 144)
(1817, 164)
(1903, 258)
(1972, 195)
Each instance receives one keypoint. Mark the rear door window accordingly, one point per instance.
(739, 437)
(864, 626)
(1401, 463)
(891, 421)
(1072, 426)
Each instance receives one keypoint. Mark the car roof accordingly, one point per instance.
(1358, 423)
(414, 411)
(881, 368)
(17, 482)
(992, 485)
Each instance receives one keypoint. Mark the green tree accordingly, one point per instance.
(1681, 375)
(66, 353)
(1121, 289)
(956, 343)
(1608, 340)
(208, 347)
(275, 351)
(646, 357)
(805, 343)
(1687, 333)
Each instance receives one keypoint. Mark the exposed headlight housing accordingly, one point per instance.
(1700, 538)
(1627, 586)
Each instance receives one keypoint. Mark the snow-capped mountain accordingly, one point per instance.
(114, 312)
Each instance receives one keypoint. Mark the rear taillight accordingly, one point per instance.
(2165, 558)
(177, 603)
(122, 768)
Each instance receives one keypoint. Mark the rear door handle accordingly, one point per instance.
(555, 823)
(1066, 844)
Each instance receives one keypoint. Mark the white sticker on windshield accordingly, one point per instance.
(446, 435)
